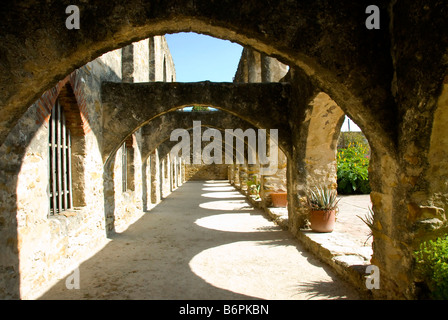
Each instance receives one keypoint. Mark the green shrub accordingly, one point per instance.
(432, 266)
(199, 108)
(352, 166)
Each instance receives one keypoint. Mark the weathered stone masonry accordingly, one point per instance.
(392, 82)
(43, 249)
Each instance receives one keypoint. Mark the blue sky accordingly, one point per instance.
(199, 57)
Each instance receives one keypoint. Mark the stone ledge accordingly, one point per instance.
(279, 216)
(336, 249)
(344, 256)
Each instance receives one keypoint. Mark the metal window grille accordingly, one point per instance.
(124, 167)
(59, 162)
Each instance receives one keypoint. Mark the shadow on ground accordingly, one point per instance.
(204, 241)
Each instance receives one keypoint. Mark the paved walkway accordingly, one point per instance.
(348, 249)
(204, 242)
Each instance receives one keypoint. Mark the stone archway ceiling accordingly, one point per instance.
(158, 130)
(313, 35)
(129, 106)
(166, 146)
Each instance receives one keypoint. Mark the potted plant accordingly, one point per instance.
(322, 203)
(279, 198)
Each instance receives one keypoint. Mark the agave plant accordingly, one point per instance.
(322, 198)
(369, 221)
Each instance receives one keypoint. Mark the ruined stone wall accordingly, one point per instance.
(163, 67)
(148, 60)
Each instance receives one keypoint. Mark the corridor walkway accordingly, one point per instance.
(204, 241)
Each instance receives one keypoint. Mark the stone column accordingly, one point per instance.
(155, 177)
(184, 176)
(109, 196)
(175, 173)
(148, 181)
(231, 174)
(298, 172)
(179, 172)
(254, 66)
(127, 63)
(236, 175)
(271, 69)
(243, 177)
(242, 73)
(151, 60)
(253, 174)
(274, 182)
(166, 176)
(145, 187)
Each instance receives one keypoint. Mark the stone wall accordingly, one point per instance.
(49, 246)
(206, 172)
(41, 248)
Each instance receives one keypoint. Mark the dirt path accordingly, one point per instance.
(204, 242)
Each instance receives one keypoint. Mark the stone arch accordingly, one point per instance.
(263, 105)
(78, 127)
(28, 156)
(276, 31)
(314, 163)
(119, 189)
(166, 140)
(164, 147)
(324, 120)
(157, 132)
(159, 129)
(379, 87)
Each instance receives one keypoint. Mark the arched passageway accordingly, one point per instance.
(238, 25)
(391, 87)
(204, 241)
(130, 106)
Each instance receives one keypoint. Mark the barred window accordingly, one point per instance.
(59, 162)
(127, 165)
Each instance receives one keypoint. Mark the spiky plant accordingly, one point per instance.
(369, 221)
(322, 198)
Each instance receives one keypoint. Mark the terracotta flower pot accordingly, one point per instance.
(322, 220)
(279, 199)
